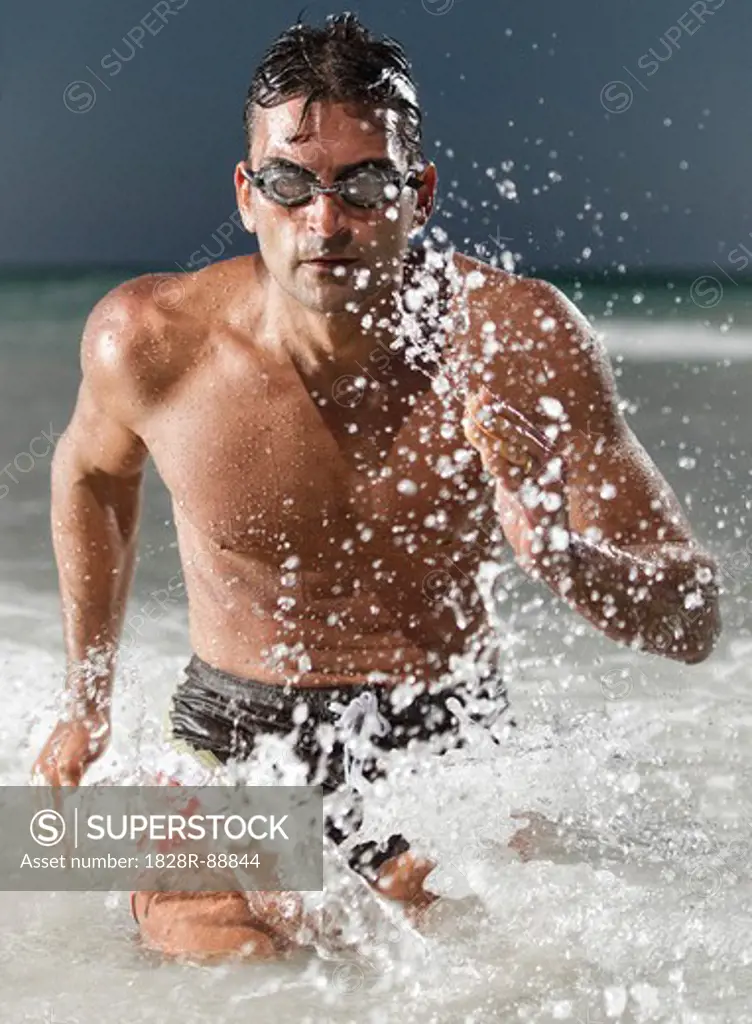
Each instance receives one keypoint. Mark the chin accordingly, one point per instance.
(334, 295)
(332, 298)
(330, 303)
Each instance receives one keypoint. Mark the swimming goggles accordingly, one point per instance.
(368, 186)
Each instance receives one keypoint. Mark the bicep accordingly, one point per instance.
(103, 436)
(99, 443)
(98, 465)
(612, 485)
(615, 488)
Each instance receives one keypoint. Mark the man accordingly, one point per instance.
(343, 420)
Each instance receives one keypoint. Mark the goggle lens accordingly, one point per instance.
(368, 188)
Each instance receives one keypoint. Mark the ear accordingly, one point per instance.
(426, 197)
(244, 196)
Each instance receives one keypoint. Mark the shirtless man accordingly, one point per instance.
(345, 422)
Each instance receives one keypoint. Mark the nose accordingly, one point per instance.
(325, 215)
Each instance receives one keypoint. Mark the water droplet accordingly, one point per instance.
(406, 486)
(552, 407)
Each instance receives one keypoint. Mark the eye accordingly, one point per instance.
(288, 184)
(370, 186)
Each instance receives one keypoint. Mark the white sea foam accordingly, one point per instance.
(639, 891)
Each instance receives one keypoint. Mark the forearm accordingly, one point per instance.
(94, 528)
(663, 599)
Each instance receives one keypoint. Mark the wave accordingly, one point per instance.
(649, 342)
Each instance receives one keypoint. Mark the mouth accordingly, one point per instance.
(330, 261)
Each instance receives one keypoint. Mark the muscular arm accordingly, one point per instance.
(97, 476)
(632, 567)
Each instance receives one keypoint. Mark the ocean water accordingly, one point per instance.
(637, 903)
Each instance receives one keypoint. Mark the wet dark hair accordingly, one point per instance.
(340, 63)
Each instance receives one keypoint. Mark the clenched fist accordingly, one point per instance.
(531, 481)
(72, 747)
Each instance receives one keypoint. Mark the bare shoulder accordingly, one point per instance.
(522, 307)
(531, 339)
(145, 334)
(126, 347)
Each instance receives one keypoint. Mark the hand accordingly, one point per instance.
(72, 747)
(531, 482)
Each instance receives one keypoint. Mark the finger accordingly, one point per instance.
(38, 799)
(69, 773)
(495, 418)
(506, 462)
(502, 434)
(512, 434)
(535, 466)
(44, 769)
(525, 425)
(511, 447)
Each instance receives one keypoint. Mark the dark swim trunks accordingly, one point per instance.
(223, 714)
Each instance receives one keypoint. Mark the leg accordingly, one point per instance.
(525, 842)
(401, 879)
(214, 925)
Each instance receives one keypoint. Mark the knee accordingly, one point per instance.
(401, 878)
(200, 925)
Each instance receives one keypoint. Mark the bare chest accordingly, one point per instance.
(261, 466)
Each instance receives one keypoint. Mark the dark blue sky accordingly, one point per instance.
(137, 167)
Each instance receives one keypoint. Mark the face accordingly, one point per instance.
(371, 243)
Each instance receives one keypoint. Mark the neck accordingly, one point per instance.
(326, 345)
